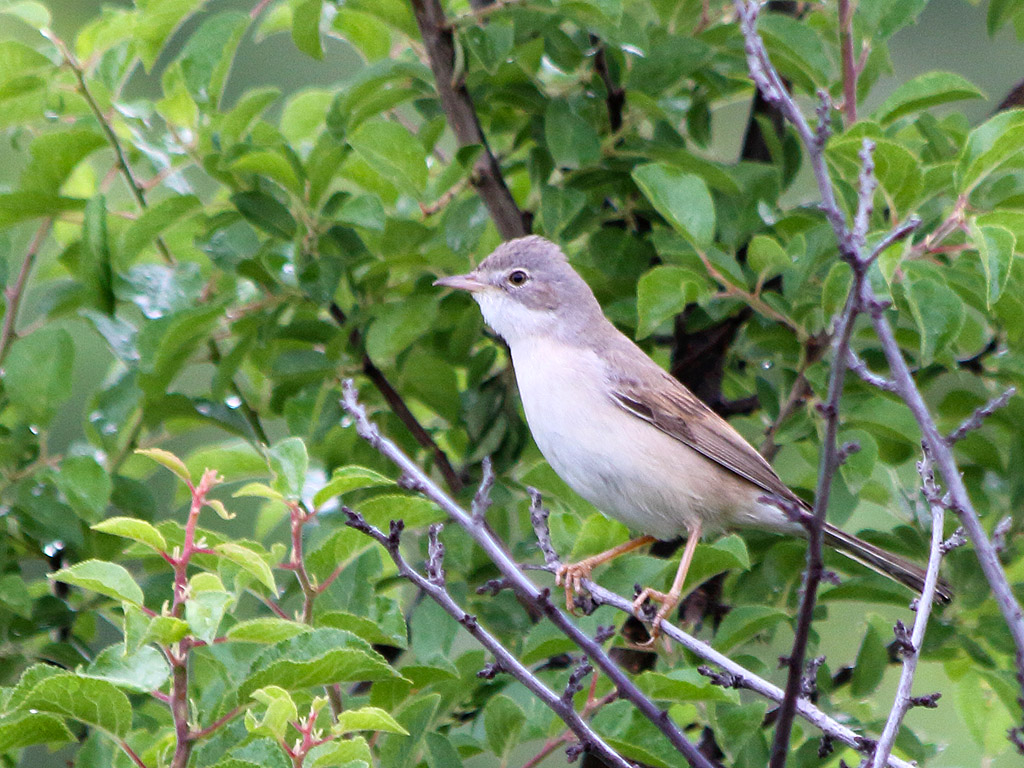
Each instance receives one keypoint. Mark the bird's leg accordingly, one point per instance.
(573, 573)
(670, 600)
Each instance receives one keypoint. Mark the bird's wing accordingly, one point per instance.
(677, 412)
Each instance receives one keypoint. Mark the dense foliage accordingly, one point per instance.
(194, 276)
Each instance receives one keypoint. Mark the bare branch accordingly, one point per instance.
(858, 366)
(903, 701)
(527, 590)
(976, 419)
(505, 661)
(482, 499)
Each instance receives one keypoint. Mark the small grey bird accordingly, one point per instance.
(622, 432)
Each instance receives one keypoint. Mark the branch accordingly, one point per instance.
(903, 701)
(615, 99)
(433, 586)
(828, 466)
(733, 675)
(14, 292)
(849, 64)
(397, 404)
(768, 81)
(975, 420)
(439, 40)
(528, 591)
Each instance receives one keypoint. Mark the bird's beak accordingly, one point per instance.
(468, 282)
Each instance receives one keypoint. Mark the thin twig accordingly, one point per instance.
(849, 64)
(902, 702)
(525, 588)
(434, 588)
(16, 290)
(976, 419)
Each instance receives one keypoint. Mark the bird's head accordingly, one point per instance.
(527, 288)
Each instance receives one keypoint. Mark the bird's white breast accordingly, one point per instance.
(624, 466)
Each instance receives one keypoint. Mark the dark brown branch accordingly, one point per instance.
(397, 404)
(438, 38)
(615, 99)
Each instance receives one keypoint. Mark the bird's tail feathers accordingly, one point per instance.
(885, 563)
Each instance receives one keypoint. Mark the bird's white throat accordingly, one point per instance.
(513, 320)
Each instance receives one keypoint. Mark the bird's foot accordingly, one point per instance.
(571, 576)
(668, 602)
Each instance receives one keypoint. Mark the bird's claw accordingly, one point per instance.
(642, 612)
(571, 575)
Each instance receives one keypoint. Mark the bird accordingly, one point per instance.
(626, 435)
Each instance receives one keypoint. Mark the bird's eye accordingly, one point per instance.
(518, 277)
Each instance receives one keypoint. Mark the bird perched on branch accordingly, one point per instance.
(626, 435)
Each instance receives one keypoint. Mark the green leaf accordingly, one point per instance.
(684, 685)
(387, 628)
(938, 312)
(306, 28)
(266, 213)
(394, 152)
(94, 266)
(996, 246)
(364, 31)
(208, 53)
(571, 140)
(872, 660)
(682, 198)
(102, 577)
(414, 510)
(266, 630)
(260, 490)
(280, 711)
(14, 595)
(97, 703)
(165, 630)
(37, 372)
(367, 719)
(289, 463)
(924, 91)
(205, 610)
(250, 562)
(350, 478)
(16, 207)
(319, 657)
(745, 621)
(345, 752)
(988, 147)
(859, 466)
(153, 222)
(503, 721)
(167, 459)
(23, 729)
(767, 257)
(143, 671)
(54, 157)
(272, 165)
(86, 486)
(663, 293)
(156, 20)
